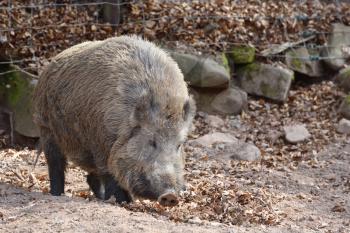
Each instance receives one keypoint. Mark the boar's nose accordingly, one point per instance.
(168, 199)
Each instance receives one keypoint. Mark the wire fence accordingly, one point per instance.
(33, 31)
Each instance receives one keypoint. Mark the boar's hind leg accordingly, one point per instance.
(104, 186)
(57, 165)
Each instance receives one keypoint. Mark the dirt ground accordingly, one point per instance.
(292, 188)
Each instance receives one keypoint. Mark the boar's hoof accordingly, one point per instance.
(122, 195)
(168, 199)
(104, 186)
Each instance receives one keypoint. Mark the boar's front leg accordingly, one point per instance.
(57, 165)
(96, 186)
(112, 187)
(104, 186)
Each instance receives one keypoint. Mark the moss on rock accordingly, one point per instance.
(12, 85)
(225, 62)
(242, 54)
(265, 80)
(347, 99)
(267, 90)
(296, 62)
(249, 70)
(16, 90)
(343, 79)
(345, 74)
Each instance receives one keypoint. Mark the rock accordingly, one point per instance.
(338, 41)
(203, 72)
(242, 54)
(343, 126)
(196, 172)
(227, 147)
(214, 121)
(305, 66)
(203, 98)
(186, 62)
(18, 97)
(296, 133)
(344, 108)
(343, 79)
(238, 150)
(212, 74)
(265, 80)
(230, 101)
(224, 61)
(244, 151)
(217, 137)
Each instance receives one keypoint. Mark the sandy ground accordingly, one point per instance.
(314, 200)
(293, 188)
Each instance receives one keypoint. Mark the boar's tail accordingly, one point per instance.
(39, 149)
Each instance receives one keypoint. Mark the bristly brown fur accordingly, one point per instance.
(98, 100)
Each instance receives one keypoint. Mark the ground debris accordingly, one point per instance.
(270, 191)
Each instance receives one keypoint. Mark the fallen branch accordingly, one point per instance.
(276, 49)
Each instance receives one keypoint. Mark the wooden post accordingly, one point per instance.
(111, 13)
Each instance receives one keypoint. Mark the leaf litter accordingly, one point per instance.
(218, 190)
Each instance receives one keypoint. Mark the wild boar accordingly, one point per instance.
(119, 109)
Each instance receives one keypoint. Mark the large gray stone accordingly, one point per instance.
(299, 60)
(243, 151)
(217, 137)
(18, 97)
(343, 126)
(186, 63)
(230, 101)
(203, 98)
(343, 79)
(227, 147)
(214, 121)
(212, 74)
(344, 108)
(338, 46)
(265, 80)
(203, 72)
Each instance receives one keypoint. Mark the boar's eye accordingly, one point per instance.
(153, 143)
(134, 131)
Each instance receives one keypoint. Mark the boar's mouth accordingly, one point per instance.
(142, 188)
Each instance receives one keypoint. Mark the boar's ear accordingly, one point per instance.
(189, 109)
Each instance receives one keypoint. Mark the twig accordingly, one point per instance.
(7, 72)
(18, 175)
(17, 68)
(26, 72)
(36, 158)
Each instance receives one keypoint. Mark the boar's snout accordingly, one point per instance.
(168, 199)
